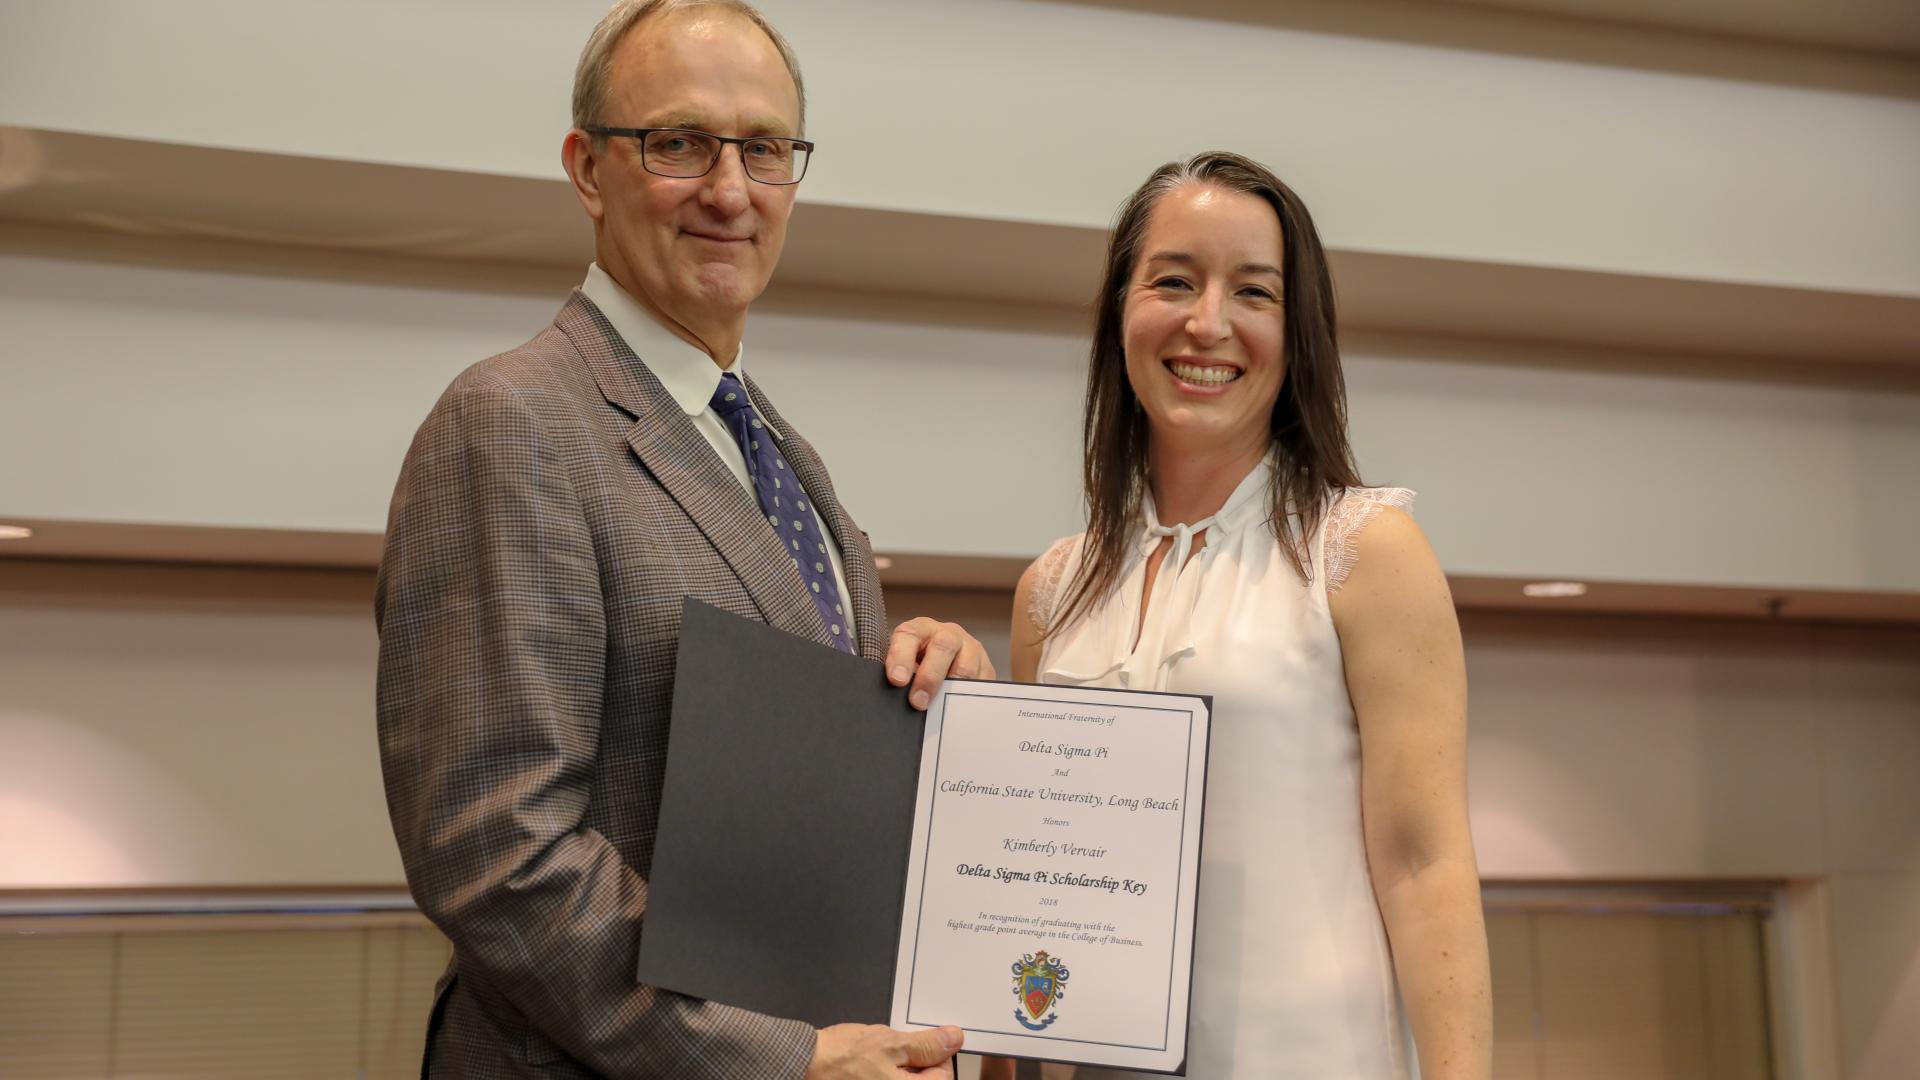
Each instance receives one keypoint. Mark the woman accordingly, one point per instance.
(1231, 550)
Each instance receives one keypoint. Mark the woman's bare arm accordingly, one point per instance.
(1406, 673)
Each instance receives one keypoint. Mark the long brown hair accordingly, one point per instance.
(1309, 421)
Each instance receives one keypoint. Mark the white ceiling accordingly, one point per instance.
(1887, 29)
(1872, 25)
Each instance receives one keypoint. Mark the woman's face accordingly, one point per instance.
(1202, 324)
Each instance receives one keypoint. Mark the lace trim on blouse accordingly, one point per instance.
(1345, 522)
(1046, 583)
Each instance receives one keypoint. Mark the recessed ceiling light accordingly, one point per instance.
(1551, 589)
(881, 562)
(14, 532)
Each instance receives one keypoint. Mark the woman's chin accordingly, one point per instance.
(1191, 427)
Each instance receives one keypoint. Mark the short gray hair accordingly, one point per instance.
(595, 72)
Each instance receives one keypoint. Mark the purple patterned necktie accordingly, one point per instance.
(785, 503)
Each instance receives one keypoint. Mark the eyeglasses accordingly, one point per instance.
(685, 153)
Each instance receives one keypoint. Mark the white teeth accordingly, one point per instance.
(1204, 376)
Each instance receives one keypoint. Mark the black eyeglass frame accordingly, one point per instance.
(641, 134)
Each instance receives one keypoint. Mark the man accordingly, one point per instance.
(555, 507)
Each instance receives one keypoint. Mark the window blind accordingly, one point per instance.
(309, 1000)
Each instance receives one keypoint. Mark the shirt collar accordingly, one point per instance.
(689, 374)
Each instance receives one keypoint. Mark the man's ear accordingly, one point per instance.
(582, 162)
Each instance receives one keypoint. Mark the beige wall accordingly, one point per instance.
(1505, 146)
(209, 727)
(237, 389)
(170, 727)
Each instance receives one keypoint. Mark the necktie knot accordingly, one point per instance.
(730, 397)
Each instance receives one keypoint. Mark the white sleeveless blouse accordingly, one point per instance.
(1292, 975)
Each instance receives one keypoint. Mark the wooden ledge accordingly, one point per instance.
(358, 553)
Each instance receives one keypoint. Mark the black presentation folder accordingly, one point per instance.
(785, 826)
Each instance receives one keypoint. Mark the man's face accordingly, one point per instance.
(697, 249)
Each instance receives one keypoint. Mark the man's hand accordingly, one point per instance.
(924, 652)
(862, 1051)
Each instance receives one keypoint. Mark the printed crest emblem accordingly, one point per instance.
(1039, 981)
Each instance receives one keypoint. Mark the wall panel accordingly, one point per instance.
(1401, 146)
(232, 395)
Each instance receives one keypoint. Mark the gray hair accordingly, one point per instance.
(595, 72)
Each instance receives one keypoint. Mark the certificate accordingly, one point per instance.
(1019, 861)
(1050, 886)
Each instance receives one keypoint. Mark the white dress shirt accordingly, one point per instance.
(691, 377)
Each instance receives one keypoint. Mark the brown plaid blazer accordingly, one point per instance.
(553, 509)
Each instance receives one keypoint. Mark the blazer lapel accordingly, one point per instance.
(675, 453)
(856, 554)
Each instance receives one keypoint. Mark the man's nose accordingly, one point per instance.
(726, 188)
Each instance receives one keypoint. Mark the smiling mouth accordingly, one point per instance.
(1203, 375)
